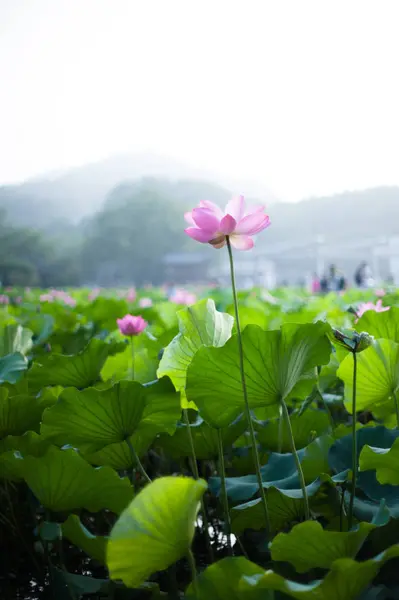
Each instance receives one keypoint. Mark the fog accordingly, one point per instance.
(299, 98)
(116, 116)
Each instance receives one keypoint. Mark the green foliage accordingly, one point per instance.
(155, 530)
(199, 325)
(377, 375)
(278, 365)
(385, 461)
(85, 424)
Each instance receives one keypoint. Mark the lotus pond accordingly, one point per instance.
(161, 465)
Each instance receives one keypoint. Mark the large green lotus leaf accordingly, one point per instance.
(305, 427)
(286, 506)
(205, 439)
(251, 316)
(18, 413)
(340, 458)
(220, 581)
(80, 370)
(346, 580)
(382, 325)
(199, 325)
(119, 366)
(155, 530)
(166, 314)
(15, 338)
(240, 579)
(12, 367)
(308, 546)
(94, 545)
(92, 419)
(278, 364)
(385, 461)
(42, 327)
(377, 376)
(63, 481)
(280, 472)
(118, 456)
(13, 447)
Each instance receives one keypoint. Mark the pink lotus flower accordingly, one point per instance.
(94, 293)
(183, 297)
(46, 298)
(380, 292)
(377, 307)
(69, 301)
(211, 225)
(131, 295)
(131, 325)
(4, 299)
(145, 302)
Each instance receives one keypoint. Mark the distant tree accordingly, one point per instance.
(127, 240)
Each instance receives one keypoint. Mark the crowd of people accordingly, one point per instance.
(335, 281)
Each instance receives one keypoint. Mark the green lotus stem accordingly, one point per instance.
(193, 569)
(132, 357)
(223, 490)
(137, 461)
(395, 400)
(297, 461)
(244, 390)
(280, 430)
(354, 445)
(194, 468)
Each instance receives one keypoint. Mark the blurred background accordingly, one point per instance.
(116, 116)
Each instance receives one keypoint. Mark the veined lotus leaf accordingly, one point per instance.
(308, 546)
(381, 325)
(278, 364)
(385, 461)
(312, 423)
(80, 370)
(199, 325)
(377, 376)
(18, 413)
(12, 367)
(63, 481)
(155, 530)
(92, 419)
(15, 338)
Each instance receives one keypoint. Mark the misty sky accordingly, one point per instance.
(300, 95)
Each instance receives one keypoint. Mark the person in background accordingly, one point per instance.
(315, 284)
(333, 281)
(363, 276)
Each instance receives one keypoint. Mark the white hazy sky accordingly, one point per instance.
(301, 95)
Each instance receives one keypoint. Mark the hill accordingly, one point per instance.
(81, 192)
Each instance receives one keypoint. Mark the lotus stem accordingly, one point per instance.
(280, 430)
(354, 445)
(244, 390)
(223, 490)
(132, 357)
(395, 401)
(137, 461)
(194, 468)
(297, 461)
